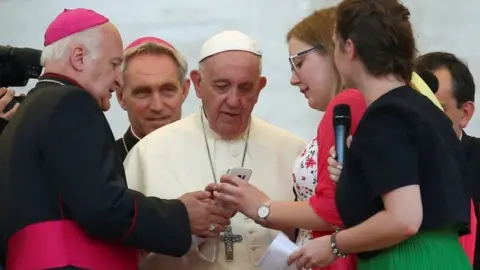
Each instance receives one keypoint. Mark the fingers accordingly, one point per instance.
(220, 211)
(294, 256)
(332, 162)
(227, 199)
(334, 169)
(301, 262)
(219, 220)
(309, 265)
(227, 189)
(3, 91)
(219, 229)
(6, 97)
(208, 201)
(8, 115)
(349, 141)
(201, 195)
(232, 180)
(211, 188)
(213, 233)
(332, 152)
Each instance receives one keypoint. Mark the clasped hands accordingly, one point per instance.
(209, 211)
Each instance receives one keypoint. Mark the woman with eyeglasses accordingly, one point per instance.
(314, 73)
(400, 192)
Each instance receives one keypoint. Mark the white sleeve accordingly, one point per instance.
(134, 169)
(206, 247)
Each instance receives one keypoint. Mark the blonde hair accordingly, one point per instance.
(318, 29)
(158, 49)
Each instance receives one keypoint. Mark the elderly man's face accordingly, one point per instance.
(153, 93)
(229, 84)
(102, 75)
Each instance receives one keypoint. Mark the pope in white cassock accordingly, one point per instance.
(195, 151)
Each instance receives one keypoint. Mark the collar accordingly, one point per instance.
(213, 134)
(57, 78)
(130, 138)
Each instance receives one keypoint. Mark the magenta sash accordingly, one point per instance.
(54, 244)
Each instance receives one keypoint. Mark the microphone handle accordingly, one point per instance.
(341, 143)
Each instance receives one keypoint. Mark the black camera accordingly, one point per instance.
(17, 67)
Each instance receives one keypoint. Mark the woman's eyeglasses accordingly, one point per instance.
(295, 65)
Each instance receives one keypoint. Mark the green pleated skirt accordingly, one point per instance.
(428, 250)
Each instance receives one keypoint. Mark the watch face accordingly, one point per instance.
(263, 211)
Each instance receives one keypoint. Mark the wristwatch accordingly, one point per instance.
(264, 210)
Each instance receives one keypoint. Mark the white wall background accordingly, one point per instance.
(440, 25)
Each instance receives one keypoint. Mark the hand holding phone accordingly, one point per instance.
(242, 173)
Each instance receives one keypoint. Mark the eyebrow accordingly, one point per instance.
(140, 89)
(117, 59)
(146, 88)
(221, 81)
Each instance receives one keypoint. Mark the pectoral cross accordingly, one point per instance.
(229, 238)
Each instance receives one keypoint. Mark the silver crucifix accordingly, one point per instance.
(229, 238)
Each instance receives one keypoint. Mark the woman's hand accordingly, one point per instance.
(238, 195)
(315, 253)
(334, 167)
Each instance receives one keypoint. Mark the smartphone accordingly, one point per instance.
(242, 173)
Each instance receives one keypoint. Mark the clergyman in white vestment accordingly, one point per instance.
(190, 154)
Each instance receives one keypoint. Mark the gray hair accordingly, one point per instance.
(90, 38)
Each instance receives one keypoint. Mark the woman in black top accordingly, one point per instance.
(400, 194)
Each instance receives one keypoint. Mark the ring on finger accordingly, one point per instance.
(211, 228)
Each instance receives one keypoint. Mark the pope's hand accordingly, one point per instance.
(334, 167)
(206, 218)
(238, 194)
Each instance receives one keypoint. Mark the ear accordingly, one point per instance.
(350, 49)
(119, 94)
(77, 57)
(262, 83)
(196, 78)
(186, 89)
(468, 109)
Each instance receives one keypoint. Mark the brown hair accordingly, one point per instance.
(317, 29)
(382, 35)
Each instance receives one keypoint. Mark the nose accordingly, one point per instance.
(156, 103)
(118, 80)
(233, 100)
(294, 79)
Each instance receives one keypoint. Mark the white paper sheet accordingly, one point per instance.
(275, 258)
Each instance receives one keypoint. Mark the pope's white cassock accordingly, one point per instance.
(174, 160)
